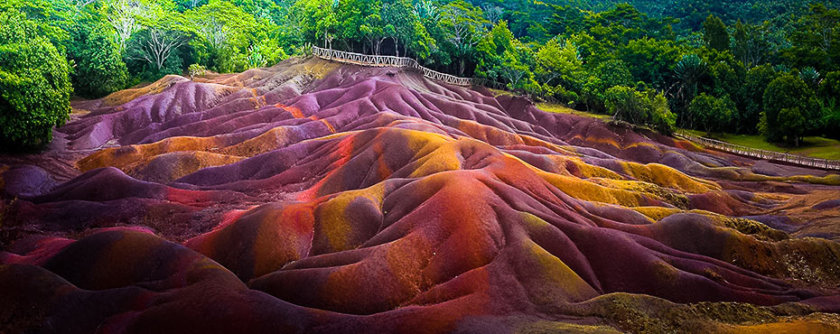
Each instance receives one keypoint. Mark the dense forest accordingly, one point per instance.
(769, 67)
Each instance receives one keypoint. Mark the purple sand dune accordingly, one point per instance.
(312, 197)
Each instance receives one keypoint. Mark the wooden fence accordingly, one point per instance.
(389, 61)
(762, 154)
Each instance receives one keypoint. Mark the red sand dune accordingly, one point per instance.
(313, 197)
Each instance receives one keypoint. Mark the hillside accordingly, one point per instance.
(317, 197)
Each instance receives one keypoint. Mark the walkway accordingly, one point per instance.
(762, 154)
(391, 61)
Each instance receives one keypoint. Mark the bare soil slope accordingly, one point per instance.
(313, 197)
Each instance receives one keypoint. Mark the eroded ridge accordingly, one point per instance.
(313, 197)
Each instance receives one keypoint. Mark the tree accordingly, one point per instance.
(156, 46)
(816, 40)
(751, 46)
(715, 34)
(689, 72)
(100, 69)
(559, 69)
(647, 107)
(810, 76)
(430, 16)
(791, 121)
(757, 80)
(605, 75)
(222, 31)
(465, 24)
(359, 20)
(317, 20)
(715, 114)
(185, 5)
(402, 25)
(829, 93)
(727, 75)
(503, 57)
(790, 93)
(651, 60)
(34, 84)
(123, 15)
(625, 103)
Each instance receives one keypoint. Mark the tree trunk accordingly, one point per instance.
(462, 67)
(379, 45)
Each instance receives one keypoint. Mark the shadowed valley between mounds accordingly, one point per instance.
(316, 197)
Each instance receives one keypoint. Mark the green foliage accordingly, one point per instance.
(34, 84)
(756, 80)
(752, 46)
(222, 33)
(562, 50)
(504, 58)
(640, 107)
(606, 75)
(792, 123)
(689, 72)
(715, 114)
(829, 93)
(559, 68)
(715, 34)
(790, 94)
(810, 76)
(651, 61)
(727, 74)
(100, 69)
(816, 40)
(196, 70)
(466, 39)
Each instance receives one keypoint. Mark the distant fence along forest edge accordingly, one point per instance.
(762, 154)
(391, 61)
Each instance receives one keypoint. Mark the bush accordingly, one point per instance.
(34, 84)
(715, 114)
(792, 93)
(100, 69)
(647, 107)
(196, 70)
(607, 74)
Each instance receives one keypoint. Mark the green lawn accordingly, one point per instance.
(561, 109)
(816, 147)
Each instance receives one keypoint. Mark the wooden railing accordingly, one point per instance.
(761, 154)
(389, 61)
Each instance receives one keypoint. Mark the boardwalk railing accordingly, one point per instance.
(762, 154)
(389, 61)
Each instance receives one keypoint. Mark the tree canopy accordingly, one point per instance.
(727, 52)
(34, 83)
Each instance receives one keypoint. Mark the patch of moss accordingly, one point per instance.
(755, 229)
(677, 200)
(562, 327)
(634, 313)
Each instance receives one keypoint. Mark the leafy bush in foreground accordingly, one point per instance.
(34, 84)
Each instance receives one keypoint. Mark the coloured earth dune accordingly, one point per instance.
(325, 198)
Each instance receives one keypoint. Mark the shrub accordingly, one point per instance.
(100, 69)
(789, 92)
(607, 74)
(196, 70)
(714, 114)
(34, 84)
(647, 107)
